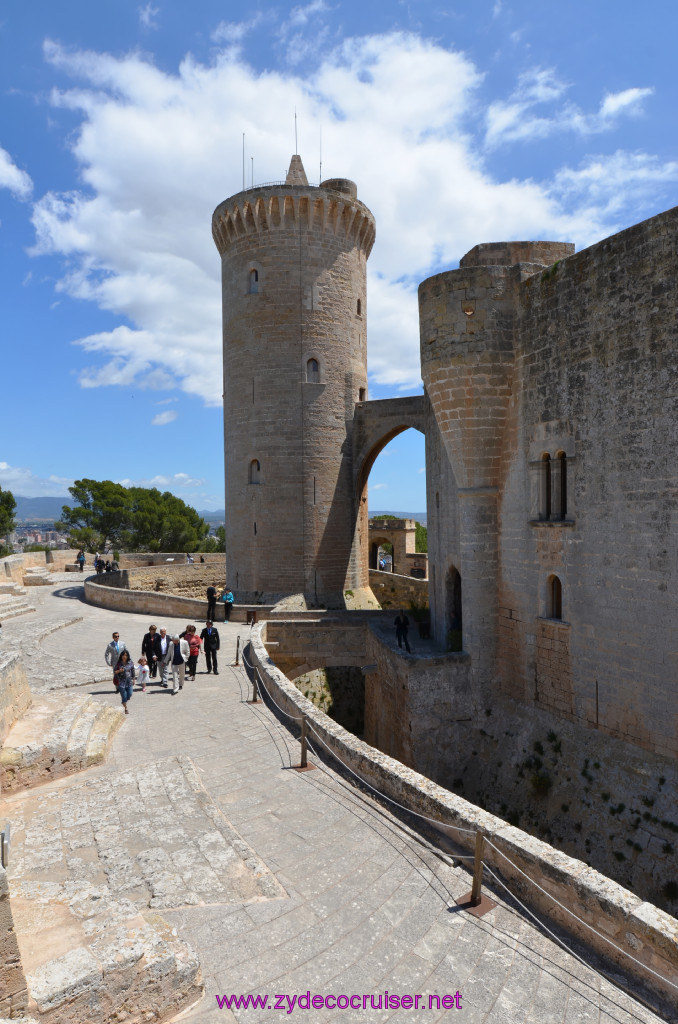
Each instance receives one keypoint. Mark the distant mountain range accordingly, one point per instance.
(49, 510)
(419, 517)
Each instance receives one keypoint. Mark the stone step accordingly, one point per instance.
(88, 883)
(14, 603)
(101, 735)
(134, 968)
(57, 736)
(16, 613)
(10, 588)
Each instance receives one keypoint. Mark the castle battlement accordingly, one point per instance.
(331, 208)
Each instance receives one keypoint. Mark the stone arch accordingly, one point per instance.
(377, 423)
(554, 597)
(375, 544)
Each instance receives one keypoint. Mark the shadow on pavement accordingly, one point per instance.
(71, 593)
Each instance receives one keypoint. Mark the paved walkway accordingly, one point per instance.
(339, 898)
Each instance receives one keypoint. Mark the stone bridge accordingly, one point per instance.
(195, 844)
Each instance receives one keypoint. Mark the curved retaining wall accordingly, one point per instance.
(149, 602)
(637, 927)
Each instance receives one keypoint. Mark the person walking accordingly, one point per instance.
(177, 655)
(112, 654)
(163, 643)
(144, 673)
(402, 624)
(152, 650)
(194, 643)
(211, 644)
(125, 675)
(212, 603)
(80, 559)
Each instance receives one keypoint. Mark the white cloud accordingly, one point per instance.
(158, 151)
(378, 487)
(177, 481)
(13, 178)
(147, 15)
(21, 480)
(232, 33)
(301, 14)
(630, 101)
(164, 417)
(514, 119)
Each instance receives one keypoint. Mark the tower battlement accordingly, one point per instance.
(331, 208)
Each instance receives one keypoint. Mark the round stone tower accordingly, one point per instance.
(293, 262)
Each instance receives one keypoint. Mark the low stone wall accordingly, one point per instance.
(114, 596)
(14, 566)
(134, 559)
(13, 990)
(15, 695)
(109, 592)
(182, 580)
(602, 908)
(394, 591)
(304, 645)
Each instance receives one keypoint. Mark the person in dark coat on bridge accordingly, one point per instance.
(211, 644)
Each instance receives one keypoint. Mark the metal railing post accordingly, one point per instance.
(477, 870)
(237, 650)
(255, 688)
(304, 742)
(4, 846)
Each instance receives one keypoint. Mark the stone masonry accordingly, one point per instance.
(295, 364)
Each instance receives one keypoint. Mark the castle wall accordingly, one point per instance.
(595, 377)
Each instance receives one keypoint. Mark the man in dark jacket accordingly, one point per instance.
(211, 603)
(210, 645)
(402, 624)
(151, 649)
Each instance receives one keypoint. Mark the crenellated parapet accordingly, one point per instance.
(330, 209)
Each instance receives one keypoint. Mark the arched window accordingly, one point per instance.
(253, 286)
(359, 308)
(562, 485)
(555, 594)
(545, 487)
(361, 394)
(255, 471)
(312, 371)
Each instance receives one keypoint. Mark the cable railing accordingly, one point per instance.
(481, 840)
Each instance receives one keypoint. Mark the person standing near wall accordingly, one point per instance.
(227, 599)
(212, 603)
(402, 624)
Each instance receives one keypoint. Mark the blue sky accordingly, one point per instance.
(121, 129)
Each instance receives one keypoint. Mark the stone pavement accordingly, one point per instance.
(332, 894)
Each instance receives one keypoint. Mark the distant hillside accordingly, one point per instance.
(419, 517)
(47, 508)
